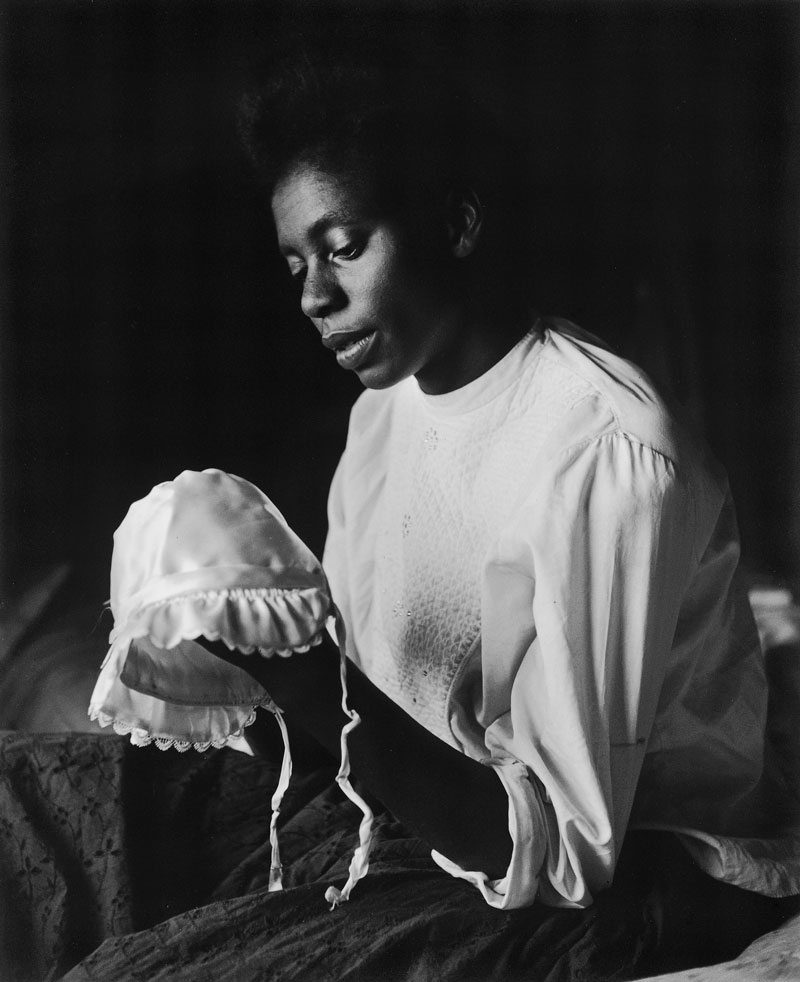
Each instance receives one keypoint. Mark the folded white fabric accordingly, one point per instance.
(209, 555)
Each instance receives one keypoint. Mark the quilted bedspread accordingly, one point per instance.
(118, 863)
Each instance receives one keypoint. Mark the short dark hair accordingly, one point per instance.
(407, 123)
(408, 128)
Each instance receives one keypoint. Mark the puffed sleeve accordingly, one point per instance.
(581, 597)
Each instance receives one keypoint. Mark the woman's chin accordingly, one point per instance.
(379, 375)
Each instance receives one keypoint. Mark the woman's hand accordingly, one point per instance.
(302, 677)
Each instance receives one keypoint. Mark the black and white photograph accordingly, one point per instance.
(399, 490)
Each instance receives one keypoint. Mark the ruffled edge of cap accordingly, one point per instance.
(264, 619)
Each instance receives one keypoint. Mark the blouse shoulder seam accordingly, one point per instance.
(620, 433)
(595, 391)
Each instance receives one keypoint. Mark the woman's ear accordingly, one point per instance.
(464, 221)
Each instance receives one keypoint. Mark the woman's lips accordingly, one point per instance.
(350, 347)
(354, 352)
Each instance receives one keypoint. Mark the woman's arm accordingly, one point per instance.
(453, 802)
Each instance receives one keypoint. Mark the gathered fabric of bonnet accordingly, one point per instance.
(209, 555)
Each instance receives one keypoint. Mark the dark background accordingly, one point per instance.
(145, 325)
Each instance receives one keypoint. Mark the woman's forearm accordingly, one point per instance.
(456, 804)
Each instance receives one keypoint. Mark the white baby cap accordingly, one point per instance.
(210, 555)
(206, 554)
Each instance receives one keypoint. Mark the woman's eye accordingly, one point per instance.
(347, 252)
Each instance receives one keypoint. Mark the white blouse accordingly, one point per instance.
(539, 567)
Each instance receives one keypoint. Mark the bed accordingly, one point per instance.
(125, 863)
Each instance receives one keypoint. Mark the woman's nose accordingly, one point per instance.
(322, 295)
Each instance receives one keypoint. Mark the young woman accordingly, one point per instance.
(556, 668)
(536, 563)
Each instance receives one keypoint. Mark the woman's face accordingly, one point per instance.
(379, 291)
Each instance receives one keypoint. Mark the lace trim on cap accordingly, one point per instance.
(152, 718)
(140, 737)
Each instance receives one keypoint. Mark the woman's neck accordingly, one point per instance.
(486, 332)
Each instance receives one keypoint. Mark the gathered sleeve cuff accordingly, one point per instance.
(526, 819)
